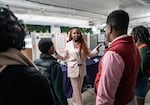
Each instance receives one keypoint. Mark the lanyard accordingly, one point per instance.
(77, 51)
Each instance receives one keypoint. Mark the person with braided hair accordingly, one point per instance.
(141, 37)
(20, 82)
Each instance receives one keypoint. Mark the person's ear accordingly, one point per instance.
(109, 28)
(138, 42)
(136, 38)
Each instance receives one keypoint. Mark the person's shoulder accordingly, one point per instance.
(145, 48)
(145, 52)
(54, 65)
(111, 54)
(69, 43)
(38, 61)
(23, 70)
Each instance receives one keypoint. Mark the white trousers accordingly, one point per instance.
(77, 86)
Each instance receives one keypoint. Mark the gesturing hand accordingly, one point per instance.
(99, 45)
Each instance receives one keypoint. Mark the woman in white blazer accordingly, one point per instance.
(76, 53)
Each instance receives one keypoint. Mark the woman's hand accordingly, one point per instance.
(55, 52)
(98, 46)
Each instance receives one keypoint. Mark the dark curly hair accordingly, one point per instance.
(141, 33)
(12, 31)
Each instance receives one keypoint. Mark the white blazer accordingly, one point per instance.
(73, 70)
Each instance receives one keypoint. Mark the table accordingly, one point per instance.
(92, 68)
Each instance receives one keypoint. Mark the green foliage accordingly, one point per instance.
(84, 30)
(44, 29)
(102, 30)
(38, 28)
(65, 29)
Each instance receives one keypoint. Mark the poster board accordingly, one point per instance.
(93, 41)
(60, 41)
(35, 40)
(101, 37)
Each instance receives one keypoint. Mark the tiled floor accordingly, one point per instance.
(147, 101)
(89, 98)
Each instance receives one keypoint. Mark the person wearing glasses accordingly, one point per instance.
(141, 37)
(20, 82)
(118, 68)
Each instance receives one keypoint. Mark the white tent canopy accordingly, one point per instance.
(79, 12)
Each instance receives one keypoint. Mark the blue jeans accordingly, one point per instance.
(142, 88)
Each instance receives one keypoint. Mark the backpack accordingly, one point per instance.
(46, 71)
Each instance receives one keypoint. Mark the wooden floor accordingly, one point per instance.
(89, 98)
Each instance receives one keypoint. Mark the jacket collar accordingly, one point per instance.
(47, 56)
(2, 67)
(142, 45)
(14, 57)
(122, 39)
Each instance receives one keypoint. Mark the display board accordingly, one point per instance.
(60, 41)
(35, 40)
(101, 37)
(93, 41)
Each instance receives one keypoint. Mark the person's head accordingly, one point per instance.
(117, 24)
(140, 35)
(46, 46)
(12, 31)
(76, 35)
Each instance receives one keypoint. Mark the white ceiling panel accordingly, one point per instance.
(94, 11)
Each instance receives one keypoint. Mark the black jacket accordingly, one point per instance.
(55, 75)
(22, 85)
